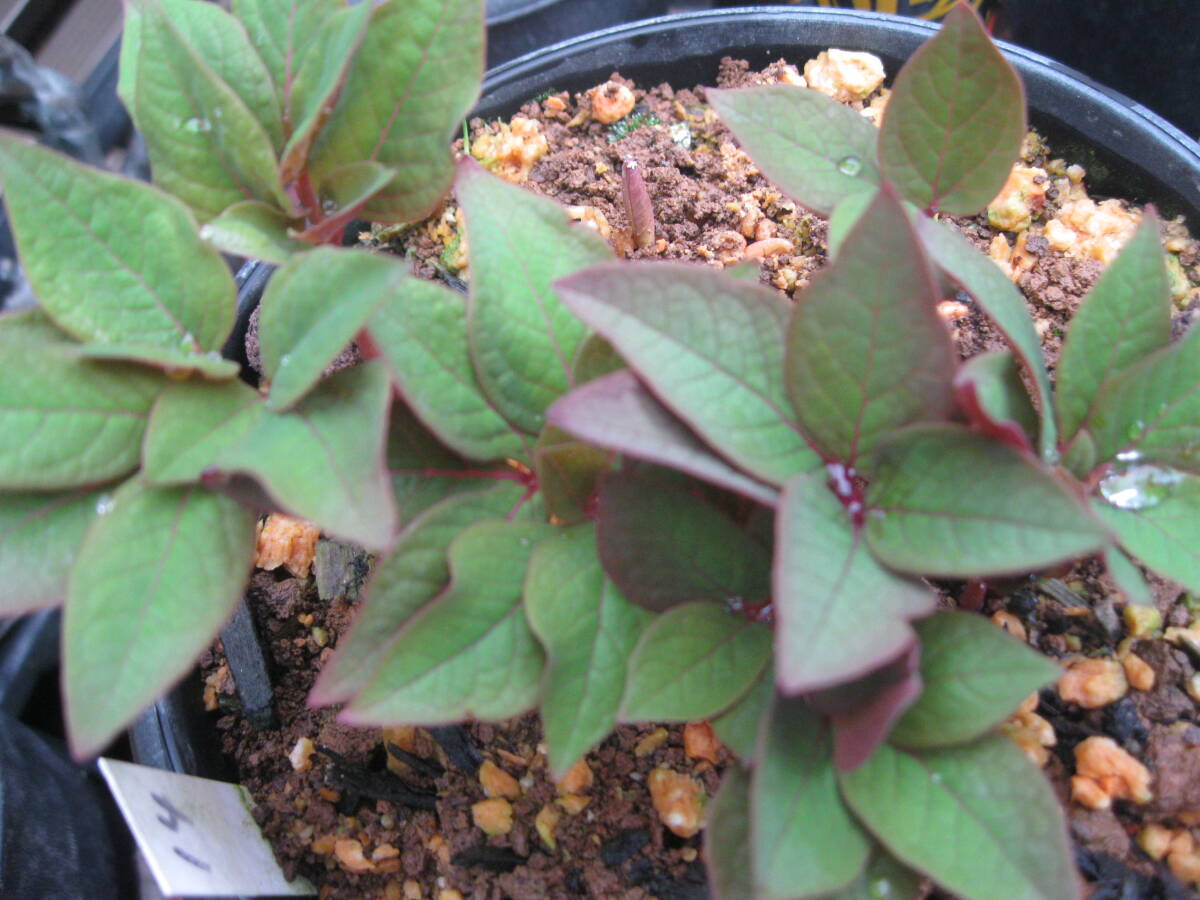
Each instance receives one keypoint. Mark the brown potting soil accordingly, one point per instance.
(337, 818)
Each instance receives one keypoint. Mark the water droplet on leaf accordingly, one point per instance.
(880, 888)
(285, 361)
(936, 777)
(849, 165)
(105, 504)
(197, 125)
(1139, 486)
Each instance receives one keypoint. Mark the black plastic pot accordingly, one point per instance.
(1129, 151)
(517, 27)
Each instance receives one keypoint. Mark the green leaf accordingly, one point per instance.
(342, 193)
(1127, 577)
(255, 230)
(945, 501)
(523, 340)
(66, 421)
(470, 652)
(410, 576)
(867, 354)
(710, 348)
(596, 358)
(999, 298)
(831, 594)
(421, 333)
(990, 391)
(320, 76)
(177, 365)
(974, 676)
(817, 150)
(883, 877)
(727, 837)
(979, 819)
(692, 662)
(1165, 535)
(955, 120)
(301, 331)
(737, 728)
(1125, 317)
(1152, 410)
(136, 273)
(206, 146)
(284, 32)
(156, 577)
(322, 461)
(39, 536)
(414, 78)
(589, 631)
(803, 840)
(567, 473)
(844, 217)
(663, 545)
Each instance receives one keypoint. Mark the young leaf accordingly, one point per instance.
(136, 272)
(412, 574)
(302, 329)
(663, 545)
(737, 728)
(421, 333)
(831, 594)
(867, 354)
(284, 32)
(803, 840)
(974, 674)
(206, 146)
(342, 192)
(1164, 535)
(817, 150)
(156, 577)
(1127, 577)
(1152, 410)
(979, 819)
(596, 358)
(944, 501)
(412, 81)
(955, 120)
(523, 340)
(727, 837)
(39, 537)
(470, 652)
(617, 413)
(255, 230)
(322, 460)
(710, 348)
(999, 298)
(1125, 317)
(990, 391)
(66, 421)
(589, 631)
(567, 474)
(863, 712)
(691, 662)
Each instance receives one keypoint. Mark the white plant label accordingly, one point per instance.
(196, 834)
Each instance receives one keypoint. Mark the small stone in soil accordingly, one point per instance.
(1122, 722)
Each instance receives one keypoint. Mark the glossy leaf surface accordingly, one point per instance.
(1165, 536)
(40, 534)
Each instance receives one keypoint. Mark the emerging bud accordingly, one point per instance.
(637, 204)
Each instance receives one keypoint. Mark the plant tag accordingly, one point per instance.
(196, 834)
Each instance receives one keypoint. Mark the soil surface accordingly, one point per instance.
(363, 823)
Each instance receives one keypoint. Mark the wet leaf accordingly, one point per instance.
(883, 879)
(523, 340)
(955, 120)
(990, 391)
(256, 230)
(867, 354)
(944, 501)
(710, 348)
(414, 77)
(975, 676)
(588, 630)
(818, 151)
(155, 579)
(737, 728)
(692, 662)
(422, 336)
(616, 412)
(999, 298)
(136, 274)
(413, 574)
(1125, 317)
(830, 594)
(663, 545)
(727, 837)
(1127, 577)
(803, 840)
(470, 652)
(40, 534)
(567, 474)
(312, 309)
(979, 819)
(1165, 536)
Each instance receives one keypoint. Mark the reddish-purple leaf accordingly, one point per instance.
(989, 390)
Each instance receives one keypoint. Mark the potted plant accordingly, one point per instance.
(505, 562)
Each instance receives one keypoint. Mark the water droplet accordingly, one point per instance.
(105, 504)
(1128, 456)
(935, 777)
(196, 125)
(1139, 486)
(850, 165)
(329, 206)
(524, 542)
(880, 888)
(188, 340)
(284, 361)
(206, 233)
